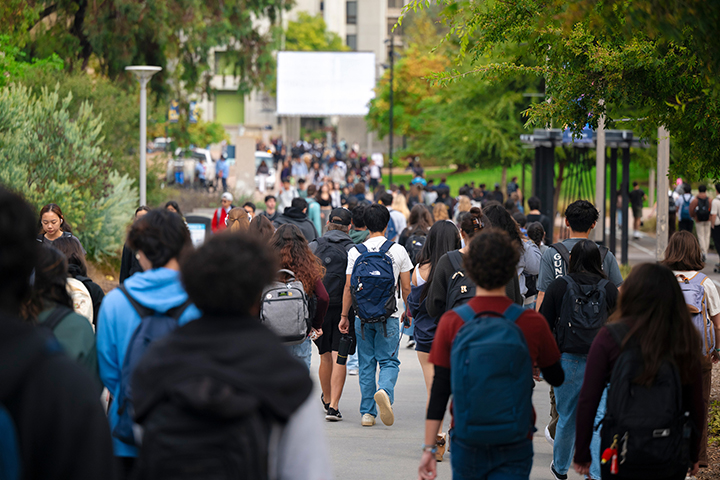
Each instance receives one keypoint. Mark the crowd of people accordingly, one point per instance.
(198, 364)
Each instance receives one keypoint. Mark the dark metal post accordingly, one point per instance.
(612, 244)
(625, 201)
(604, 197)
(392, 78)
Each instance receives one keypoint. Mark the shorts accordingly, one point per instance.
(424, 334)
(330, 339)
(637, 212)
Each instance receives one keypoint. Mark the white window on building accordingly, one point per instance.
(351, 42)
(351, 13)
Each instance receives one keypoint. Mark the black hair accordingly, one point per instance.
(717, 187)
(473, 222)
(227, 274)
(534, 203)
(50, 285)
(442, 238)
(302, 180)
(161, 235)
(581, 215)
(687, 188)
(249, 204)
(501, 218)
(174, 204)
(535, 232)
(142, 208)
(299, 203)
(702, 188)
(491, 259)
(18, 250)
(585, 258)
(358, 215)
(635, 184)
(269, 197)
(386, 199)
(376, 218)
(73, 251)
(520, 218)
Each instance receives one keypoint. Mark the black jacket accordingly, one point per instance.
(296, 216)
(62, 428)
(129, 265)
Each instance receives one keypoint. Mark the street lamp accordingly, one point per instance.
(143, 73)
(392, 87)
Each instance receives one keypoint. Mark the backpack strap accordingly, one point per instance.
(362, 249)
(465, 312)
(513, 312)
(603, 283)
(386, 246)
(56, 316)
(455, 258)
(563, 251)
(141, 310)
(603, 253)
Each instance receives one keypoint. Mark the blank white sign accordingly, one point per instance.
(321, 84)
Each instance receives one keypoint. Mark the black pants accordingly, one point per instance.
(686, 225)
(715, 233)
(124, 467)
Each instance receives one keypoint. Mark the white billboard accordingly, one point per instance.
(323, 84)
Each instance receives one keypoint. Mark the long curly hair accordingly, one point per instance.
(295, 255)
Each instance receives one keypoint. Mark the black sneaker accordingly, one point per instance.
(325, 405)
(556, 475)
(333, 415)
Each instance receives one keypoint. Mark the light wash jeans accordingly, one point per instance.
(566, 397)
(352, 362)
(377, 349)
(302, 351)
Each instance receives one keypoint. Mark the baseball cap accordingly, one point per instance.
(227, 196)
(340, 216)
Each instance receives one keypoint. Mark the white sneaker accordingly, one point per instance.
(383, 402)
(367, 420)
(549, 437)
(352, 371)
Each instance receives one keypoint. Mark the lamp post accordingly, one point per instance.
(143, 73)
(392, 86)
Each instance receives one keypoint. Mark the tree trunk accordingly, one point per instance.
(503, 180)
(462, 167)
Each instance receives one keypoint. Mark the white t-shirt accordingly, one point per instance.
(715, 209)
(401, 260)
(399, 220)
(711, 293)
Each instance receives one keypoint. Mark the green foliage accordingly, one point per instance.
(50, 155)
(13, 65)
(310, 34)
(714, 422)
(592, 67)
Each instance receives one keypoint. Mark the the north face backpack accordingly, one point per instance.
(702, 210)
(460, 287)
(646, 425)
(414, 245)
(560, 268)
(285, 309)
(685, 207)
(334, 258)
(694, 293)
(491, 378)
(372, 284)
(153, 326)
(583, 313)
(182, 443)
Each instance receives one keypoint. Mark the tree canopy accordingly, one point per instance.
(310, 34)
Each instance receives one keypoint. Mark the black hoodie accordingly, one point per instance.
(297, 217)
(62, 428)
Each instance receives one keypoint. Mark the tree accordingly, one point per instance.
(310, 34)
(596, 68)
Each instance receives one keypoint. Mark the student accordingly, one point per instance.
(219, 220)
(651, 315)
(637, 197)
(683, 207)
(715, 219)
(534, 215)
(223, 171)
(261, 228)
(313, 211)
(227, 350)
(684, 257)
(490, 262)
(442, 238)
(359, 231)
(413, 237)
(250, 209)
(398, 223)
(237, 220)
(297, 214)
(53, 225)
(129, 264)
(172, 206)
(700, 212)
(159, 238)
(332, 250)
(584, 284)
(270, 212)
(376, 342)
(77, 270)
(51, 401)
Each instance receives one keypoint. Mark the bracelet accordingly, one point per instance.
(430, 448)
(717, 350)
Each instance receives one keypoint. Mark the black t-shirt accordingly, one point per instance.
(636, 198)
(545, 222)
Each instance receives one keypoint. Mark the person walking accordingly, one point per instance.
(77, 270)
(412, 238)
(270, 211)
(397, 223)
(262, 175)
(286, 195)
(222, 169)
(314, 208)
(684, 257)
(648, 354)
(129, 264)
(220, 393)
(332, 251)
(637, 197)
(572, 300)
(359, 231)
(700, 212)
(297, 215)
(159, 238)
(295, 255)
(493, 416)
(53, 225)
(715, 221)
(534, 215)
(219, 220)
(442, 238)
(377, 329)
(683, 207)
(237, 220)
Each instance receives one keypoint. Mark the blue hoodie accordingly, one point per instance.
(159, 289)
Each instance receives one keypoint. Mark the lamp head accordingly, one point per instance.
(143, 73)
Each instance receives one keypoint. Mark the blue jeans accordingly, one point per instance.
(566, 398)
(302, 351)
(377, 348)
(352, 362)
(491, 462)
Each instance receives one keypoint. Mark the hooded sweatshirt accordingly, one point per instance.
(296, 216)
(158, 289)
(54, 403)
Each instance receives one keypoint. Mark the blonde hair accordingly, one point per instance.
(399, 203)
(464, 204)
(440, 212)
(237, 220)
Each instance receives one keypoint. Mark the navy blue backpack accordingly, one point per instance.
(372, 284)
(491, 378)
(153, 326)
(9, 447)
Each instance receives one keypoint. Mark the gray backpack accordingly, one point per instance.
(284, 309)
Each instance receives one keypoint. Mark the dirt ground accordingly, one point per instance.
(107, 280)
(713, 470)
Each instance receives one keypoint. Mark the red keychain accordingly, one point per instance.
(610, 455)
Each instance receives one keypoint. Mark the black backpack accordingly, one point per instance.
(414, 245)
(583, 313)
(647, 425)
(334, 258)
(559, 271)
(180, 443)
(460, 288)
(702, 211)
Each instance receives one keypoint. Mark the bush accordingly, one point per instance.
(49, 155)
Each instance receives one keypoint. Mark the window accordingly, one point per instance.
(351, 13)
(395, 3)
(351, 42)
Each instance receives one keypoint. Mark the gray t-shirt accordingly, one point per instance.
(552, 266)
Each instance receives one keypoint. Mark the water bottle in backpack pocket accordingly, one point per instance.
(285, 309)
(694, 293)
(583, 313)
(372, 284)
